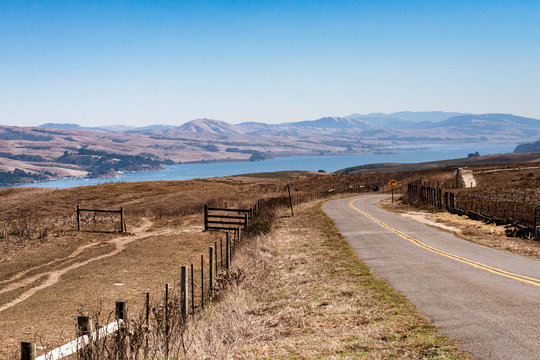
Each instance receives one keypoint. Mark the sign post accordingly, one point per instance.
(392, 184)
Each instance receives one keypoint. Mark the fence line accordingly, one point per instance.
(218, 268)
(521, 216)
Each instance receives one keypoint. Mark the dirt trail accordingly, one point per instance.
(21, 274)
(53, 276)
(468, 177)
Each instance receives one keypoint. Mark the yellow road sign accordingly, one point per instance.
(392, 183)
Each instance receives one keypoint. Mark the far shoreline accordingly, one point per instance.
(329, 163)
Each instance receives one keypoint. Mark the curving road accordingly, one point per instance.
(486, 299)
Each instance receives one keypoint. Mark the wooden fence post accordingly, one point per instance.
(211, 271)
(28, 351)
(227, 251)
(78, 218)
(122, 221)
(192, 292)
(166, 321)
(85, 327)
(184, 292)
(205, 217)
(481, 205)
(290, 199)
(202, 282)
(534, 221)
(120, 310)
(215, 258)
(147, 321)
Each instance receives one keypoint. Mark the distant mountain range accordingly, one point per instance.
(111, 128)
(405, 127)
(65, 150)
(405, 120)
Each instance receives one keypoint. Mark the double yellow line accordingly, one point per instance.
(476, 264)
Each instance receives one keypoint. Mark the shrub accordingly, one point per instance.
(259, 227)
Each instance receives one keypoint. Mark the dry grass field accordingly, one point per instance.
(305, 295)
(521, 181)
(101, 270)
(49, 272)
(308, 296)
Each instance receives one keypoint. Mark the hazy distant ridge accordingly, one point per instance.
(528, 147)
(405, 120)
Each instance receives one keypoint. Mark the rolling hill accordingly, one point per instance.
(54, 150)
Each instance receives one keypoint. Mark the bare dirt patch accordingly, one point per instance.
(468, 177)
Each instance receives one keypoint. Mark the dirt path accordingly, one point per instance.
(53, 276)
(468, 177)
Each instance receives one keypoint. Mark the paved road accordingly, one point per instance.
(486, 299)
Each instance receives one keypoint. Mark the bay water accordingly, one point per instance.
(401, 154)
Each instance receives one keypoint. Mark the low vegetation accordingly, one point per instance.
(298, 290)
(101, 163)
(18, 176)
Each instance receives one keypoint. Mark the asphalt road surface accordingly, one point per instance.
(486, 299)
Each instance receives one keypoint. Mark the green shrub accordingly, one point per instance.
(259, 227)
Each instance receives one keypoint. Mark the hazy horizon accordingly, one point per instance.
(141, 63)
(112, 125)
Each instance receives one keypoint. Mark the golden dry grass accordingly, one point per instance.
(145, 264)
(309, 289)
(34, 218)
(307, 296)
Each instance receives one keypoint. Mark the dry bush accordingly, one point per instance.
(25, 228)
(99, 222)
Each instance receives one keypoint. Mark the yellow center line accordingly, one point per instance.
(476, 264)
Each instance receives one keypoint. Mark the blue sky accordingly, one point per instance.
(147, 62)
